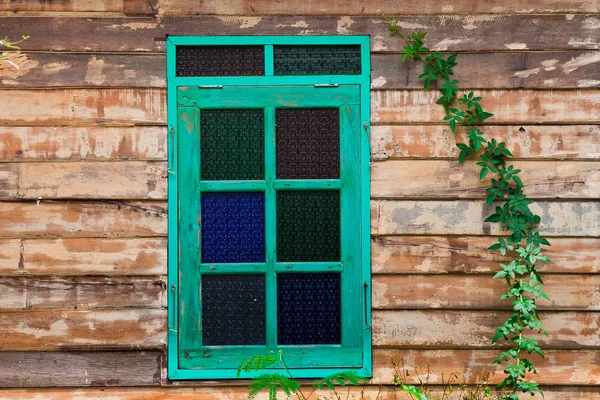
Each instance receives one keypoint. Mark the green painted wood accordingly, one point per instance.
(233, 268)
(309, 267)
(233, 186)
(264, 40)
(269, 63)
(268, 80)
(232, 373)
(270, 226)
(260, 97)
(189, 229)
(308, 184)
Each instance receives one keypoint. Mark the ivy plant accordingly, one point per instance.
(273, 382)
(7, 44)
(523, 244)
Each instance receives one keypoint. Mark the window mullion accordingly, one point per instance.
(270, 228)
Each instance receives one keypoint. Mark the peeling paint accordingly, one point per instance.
(94, 71)
(588, 83)
(591, 23)
(343, 24)
(378, 82)
(581, 61)
(516, 46)
(527, 72)
(549, 65)
(249, 22)
(445, 43)
(15, 64)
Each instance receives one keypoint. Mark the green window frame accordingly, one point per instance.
(187, 96)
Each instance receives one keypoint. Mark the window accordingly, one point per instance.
(268, 203)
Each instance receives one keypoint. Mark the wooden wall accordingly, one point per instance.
(83, 194)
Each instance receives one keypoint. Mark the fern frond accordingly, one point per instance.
(341, 378)
(257, 362)
(271, 382)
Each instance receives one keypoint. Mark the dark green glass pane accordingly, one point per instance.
(232, 143)
(308, 226)
(220, 61)
(317, 60)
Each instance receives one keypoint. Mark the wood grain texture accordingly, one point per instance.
(470, 254)
(84, 106)
(566, 292)
(524, 141)
(83, 256)
(453, 33)
(83, 143)
(99, 369)
(448, 179)
(508, 106)
(377, 7)
(83, 219)
(567, 367)
(469, 328)
(45, 293)
(84, 180)
(465, 217)
(506, 70)
(19, 6)
(83, 330)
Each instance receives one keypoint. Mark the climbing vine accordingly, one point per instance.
(7, 44)
(523, 244)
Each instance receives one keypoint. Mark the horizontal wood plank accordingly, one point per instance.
(566, 292)
(91, 180)
(83, 219)
(20, 6)
(506, 70)
(83, 143)
(524, 141)
(508, 106)
(559, 367)
(44, 293)
(84, 106)
(389, 217)
(80, 330)
(449, 179)
(470, 254)
(453, 33)
(469, 328)
(56, 369)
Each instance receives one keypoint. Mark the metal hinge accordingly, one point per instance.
(210, 86)
(326, 85)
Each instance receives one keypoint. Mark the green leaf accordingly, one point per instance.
(351, 376)
(413, 391)
(483, 173)
(452, 125)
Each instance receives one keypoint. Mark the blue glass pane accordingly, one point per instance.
(309, 309)
(233, 227)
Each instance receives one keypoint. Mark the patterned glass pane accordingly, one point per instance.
(317, 60)
(220, 61)
(232, 143)
(308, 226)
(233, 310)
(308, 309)
(308, 143)
(233, 227)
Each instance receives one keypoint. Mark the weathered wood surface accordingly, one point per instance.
(508, 106)
(79, 330)
(18, 6)
(88, 180)
(524, 141)
(510, 70)
(83, 219)
(453, 33)
(83, 143)
(469, 328)
(470, 254)
(389, 217)
(44, 293)
(84, 106)
(377, 7)
(56, 369)
(83, 256)
(566, 292)
(566, 367)
(206, 392)
(148, 106)
(448, 179)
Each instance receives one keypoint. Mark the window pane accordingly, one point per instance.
(308, 226)
(317, 60)
(233, 310)
(220, 61)
(233, 227)
(232, 143)
(308, 309)
(308, 143)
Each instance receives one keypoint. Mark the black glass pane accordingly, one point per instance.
(308, 226)
(233, 227)
(232, 143)
(308, 309)
(308, 143)
(317, 60)
(220, 61)
(233, 310)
